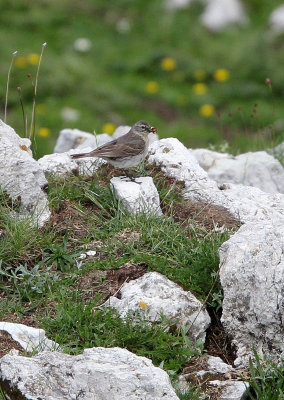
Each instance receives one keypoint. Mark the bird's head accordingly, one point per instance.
(142, 128)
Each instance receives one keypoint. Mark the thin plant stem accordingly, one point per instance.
(32, 128)
(7, 87)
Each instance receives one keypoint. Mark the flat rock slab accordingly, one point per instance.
(98, 373)
(21, 177)
(154, 294)
(137, 197)
(31, 339)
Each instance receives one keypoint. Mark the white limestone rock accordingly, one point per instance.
(120, 131)
(137, 197)
(177, 162)
(221, 14)
(208, 158)
(257, 169)
(277, 151)
(252, 277)
(152, 137)
(153, 294)
(276, 19)
(230, 390)
(21, 176)
(215, 365)
(173, 5)
(243, 202)
(31, 339)
(62, 163)
(100, 139)
(98, 373)
(75, 139)
(57, 163)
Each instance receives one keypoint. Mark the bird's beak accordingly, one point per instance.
(153, 129)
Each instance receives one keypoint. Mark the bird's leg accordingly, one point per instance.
(131, 177)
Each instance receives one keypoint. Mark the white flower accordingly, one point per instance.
(82, 44)
(123, 25)
(70, 114)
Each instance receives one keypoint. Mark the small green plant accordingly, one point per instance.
(18, 238)
(60, 256)
(28, 284)
(215, 300)
(267, 379)
(191, 394)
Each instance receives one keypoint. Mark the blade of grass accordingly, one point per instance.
(32, 128)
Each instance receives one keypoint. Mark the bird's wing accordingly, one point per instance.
(126, 145)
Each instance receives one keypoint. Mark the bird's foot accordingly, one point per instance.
(131, 179)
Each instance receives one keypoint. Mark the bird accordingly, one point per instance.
(127, 151)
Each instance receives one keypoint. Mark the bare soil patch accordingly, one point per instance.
(207, 215)
(7, 343)
(107, 283)
(218, 343)
(71, 219)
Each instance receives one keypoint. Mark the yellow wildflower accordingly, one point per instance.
(168, 64)
(143, 305)
(44, 132)
(221, 75)
(109, 128)
(199, 74)
(33, 58)
(207, 110)
(152, 87)
(21, 62)
(199, 88)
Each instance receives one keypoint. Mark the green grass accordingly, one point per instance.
(267, 379)
(107, 83)
(78, 326)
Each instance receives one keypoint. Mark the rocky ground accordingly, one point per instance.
(104, 265)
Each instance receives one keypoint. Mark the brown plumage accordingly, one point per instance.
(128, 150)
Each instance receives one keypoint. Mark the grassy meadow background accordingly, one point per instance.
(142, 62)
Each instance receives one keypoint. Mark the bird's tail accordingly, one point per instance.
(80, 155)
